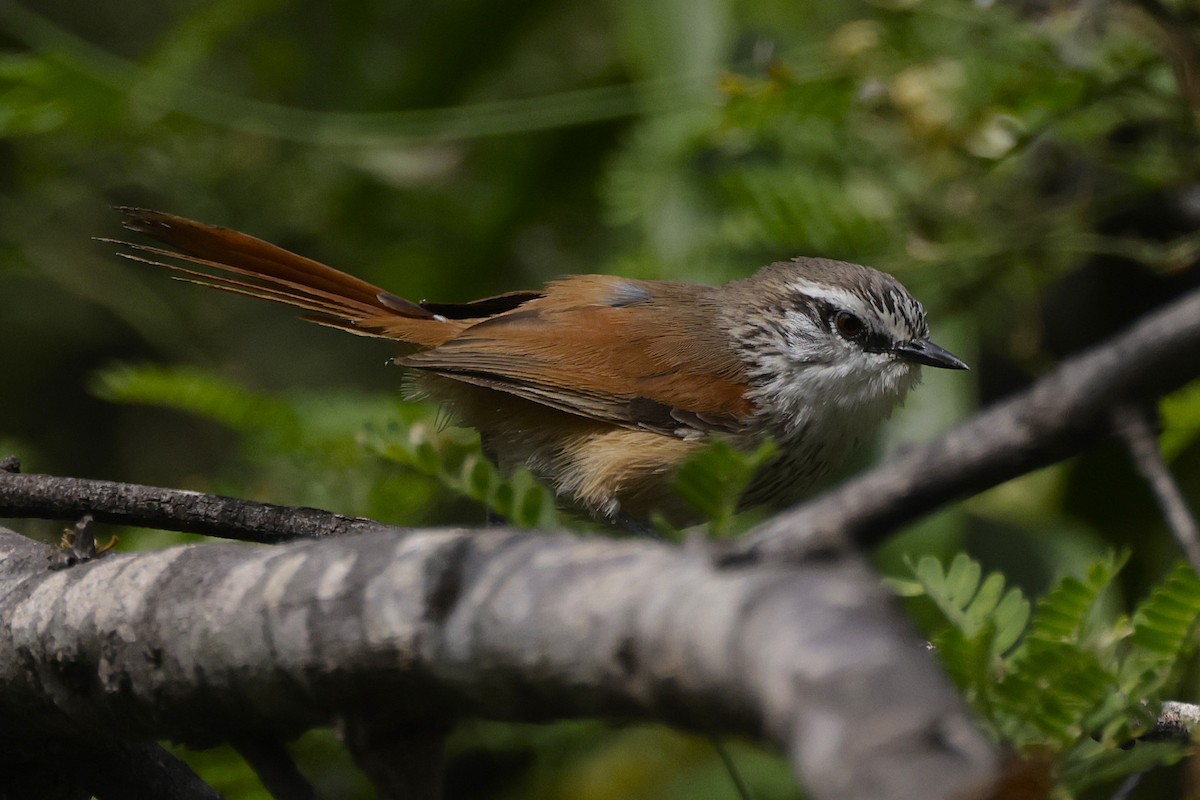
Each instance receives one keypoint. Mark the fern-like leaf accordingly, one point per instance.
(453, 456)
(195, 391)
(712, 482)
(1162, 633)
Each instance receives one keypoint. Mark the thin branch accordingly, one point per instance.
(1125, 790)
(1176, 723)
(51, 497)
(403, 764)
(140, 769)
(731, 768)
(1134, 429)
(1179, 46)
(200, 643)
(1060, 415)
(274, 766)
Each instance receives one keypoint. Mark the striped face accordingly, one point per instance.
(831, 347)
(873, 318)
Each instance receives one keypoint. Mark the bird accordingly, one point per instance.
(601, 385)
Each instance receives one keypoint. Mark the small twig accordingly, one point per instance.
(50, 497)
(1176, 722)
(1133, 427)
(731, 767)
(1128, 785)
(1178, 45)
(402, 765)
(142, 769)
(274, 766)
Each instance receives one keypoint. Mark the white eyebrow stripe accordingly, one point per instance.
(830, 294)
(905, 320)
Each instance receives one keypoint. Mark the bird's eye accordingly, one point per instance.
(848, 325)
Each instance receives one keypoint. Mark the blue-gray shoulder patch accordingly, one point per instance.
(627, 293)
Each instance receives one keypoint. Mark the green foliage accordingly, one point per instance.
(204, 394)
(590, 760)
(224, 770)
(453, 456)
(316, 435)
(986, 619)
(1180, 420)
(326, 764)
(29, 103)
(1080, 683)
(1162, 626)
(712, 482)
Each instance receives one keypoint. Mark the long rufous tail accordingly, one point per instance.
(245, 265)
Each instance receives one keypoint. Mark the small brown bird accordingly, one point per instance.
(602, 386)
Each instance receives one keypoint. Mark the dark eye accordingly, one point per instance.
(848, 325)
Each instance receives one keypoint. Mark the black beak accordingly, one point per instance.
(923, 351)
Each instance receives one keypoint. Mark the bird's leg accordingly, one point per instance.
(493, 518)
(638, 527)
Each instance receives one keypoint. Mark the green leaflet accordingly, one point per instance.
(333, 441)
(712, 482)
(198, 392)
(1180, 412)
(1078, 684)
(454, 458)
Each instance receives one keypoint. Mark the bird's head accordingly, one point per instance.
(827, 337)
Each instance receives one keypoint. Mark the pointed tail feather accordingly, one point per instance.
(277, 275)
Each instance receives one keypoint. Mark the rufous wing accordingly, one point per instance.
(647, 355)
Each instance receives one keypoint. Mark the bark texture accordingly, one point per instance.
(206, 642)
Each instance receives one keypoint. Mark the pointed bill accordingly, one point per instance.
(923, 351)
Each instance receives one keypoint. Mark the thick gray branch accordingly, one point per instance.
(200, 643)
(1057, 417)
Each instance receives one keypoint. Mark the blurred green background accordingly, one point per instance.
(1029, 170)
